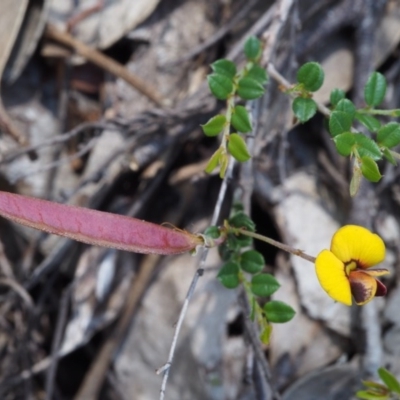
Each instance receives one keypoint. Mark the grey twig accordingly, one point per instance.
(83, 150)
(255, 29)
(165, 369)
(252, 334)
(56, 140)
(20, 290)
(219, 34)
(62, 317)
(272, 35)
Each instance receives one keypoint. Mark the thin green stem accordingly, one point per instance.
(279, 245)
(372, 111)
(256, 309)
(395, 154)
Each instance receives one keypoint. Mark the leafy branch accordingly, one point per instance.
(366, 149)
(229, 84)
(388, 390)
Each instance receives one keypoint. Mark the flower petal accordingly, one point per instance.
(376, 272)
(363, 287)
(353, 242)
(332, 277)
(380, 289)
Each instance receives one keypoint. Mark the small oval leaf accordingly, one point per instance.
(389, 156)
(389, 379)
(355, 179)
(370, 122)
(278, 311)
(214, 126)
(375, 89)
(214, 161)
(374, 385)
(370, 170)
(220, 85)
(240, 119)
(252, 48)
(224, 67)
(311, 75)
(213, 232)
(389, 135)
(366, 147)
(339, 122)
(265, 335)
(249, 89)
(238, 148)
(344, 143)
(304, 109)
(264, 285)
(366, 395)
(336, 96)
(223, 162)
(258, 73)
(347, 106)
(252, 261)
(241, 220)
(228, 275)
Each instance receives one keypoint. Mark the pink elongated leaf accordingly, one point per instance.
(96, 227)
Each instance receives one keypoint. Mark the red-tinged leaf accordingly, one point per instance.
(96, 227)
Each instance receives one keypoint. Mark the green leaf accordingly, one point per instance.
(344, 143)
(311, 75)
(347, 106)
(249, 89)
(266, 334)
(220, 85)
(366, 395)
(223, 162)
(258, 73)
(336, 96)
(264, 285)
(356, 179)
(389, 379)
(238, 148)
(370, 122)
(236, 207)
(366, 147)
(389, 156)
(370, 170)
(375, 385)
(236, 242)
(224, 67)
(243, 241)
(241, 220)
(339, 122)
(228, 275)
(375, 89)
(252, 48)
(278, 311)
(214, 125)
(252, 261)
(389, 135)
(304, 109)
(213, 232)
(240, 119)
(214, 161)
(225, 252)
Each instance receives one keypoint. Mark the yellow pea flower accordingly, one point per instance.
(343, 271)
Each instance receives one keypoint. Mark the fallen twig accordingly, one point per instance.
(104, 62)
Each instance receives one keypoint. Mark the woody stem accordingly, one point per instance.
(279, 245)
